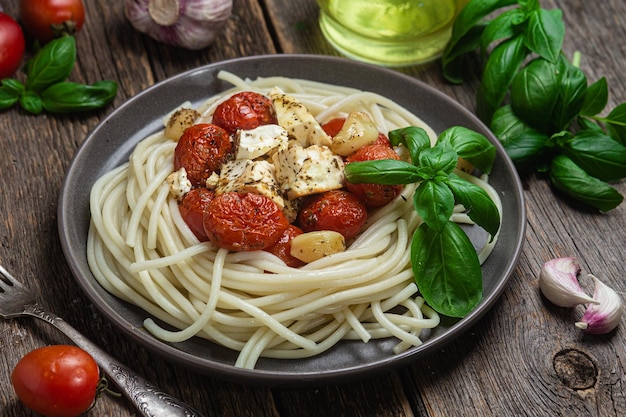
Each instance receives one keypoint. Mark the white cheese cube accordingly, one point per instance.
(260, 141)
(246, 176)
(179, 183)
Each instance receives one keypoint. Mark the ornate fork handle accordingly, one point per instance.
(147, 398)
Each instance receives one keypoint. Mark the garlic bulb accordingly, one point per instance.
(605, 316)
(191, 24)
(559, 284)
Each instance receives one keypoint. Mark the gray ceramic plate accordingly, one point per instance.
(111, 142)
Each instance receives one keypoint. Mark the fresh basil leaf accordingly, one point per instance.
(382, 171)
(535, 91)
(500, 69)
(597, 154)
(434, 202)
(52, 63)
(545, 32)
(529, 5)
(446, 268)
(440, 159)
(506, 125)
(31, 102)
(67, 97)
(616, 123)
(596, 98)
(13, 86)
(471, 146)
(572, 180)
(504, 26)
(527, 148)
(586, 124)
(480, 207)
(7, 98)
(414, 138)
(466, 32)
(571, 98)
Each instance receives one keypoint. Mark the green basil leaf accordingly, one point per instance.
(69, 97)
(545, 32)
(506, 125)
(52, 64)
(572, 180)
(527, 148)
(440, 159)
(586, 124)
(504, 26)
(466, 32)
(471, 146)
(529, 5)
(571, 98)
(597, 154)
(596, 98)
(446, 268)
(616, 123)
(500, 69)
(13, 86)
(480, 207)
(7, 98)
(31, 102)
(434, 202)
(414, 138)
(535, 91)
(382, 171)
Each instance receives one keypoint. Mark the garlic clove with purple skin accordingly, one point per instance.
(559, 284)
(603, 317)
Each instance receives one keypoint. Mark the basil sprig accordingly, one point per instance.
(538, 103)
(444, 261)
(46, 88)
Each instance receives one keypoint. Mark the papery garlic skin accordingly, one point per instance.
(191, 24)
(559, 284)
(603, 317)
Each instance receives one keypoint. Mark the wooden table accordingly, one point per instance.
(504, 366)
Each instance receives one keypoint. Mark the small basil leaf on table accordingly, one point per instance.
(69, 97)
(544, 33)
(616, 123)
(596, 98)
(504, 26)
(10, 92)
(52, 64)
(31, 102)
(597, 154)
(571, 98)
(572, 180)
(446, 268)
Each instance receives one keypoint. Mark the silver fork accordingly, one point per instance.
(18, 301)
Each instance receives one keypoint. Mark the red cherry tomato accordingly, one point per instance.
(282, 247)
(201, 150)
(245, 110)
(374, 195)
(192, 209)
(332, 127)
(47, 19)
(57, 381)
(11, 46)
(336, 210)
(244, 221)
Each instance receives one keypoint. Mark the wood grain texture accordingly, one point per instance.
(503, 366)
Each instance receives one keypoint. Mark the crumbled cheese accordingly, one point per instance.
(260, 141)
(211, 182)
(304, 171)
(297, 120)
(244, 175)
(179, 183)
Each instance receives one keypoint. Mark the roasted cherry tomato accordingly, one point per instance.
(282, 247)
(201, 150)
(57, 381)
(48, 19)
(245, 110)
(374, 195)
(192, 209)
(336, 210)
(332, 127)
(11, 45)
(244, 221)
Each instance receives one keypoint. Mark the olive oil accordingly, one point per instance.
(389, 32)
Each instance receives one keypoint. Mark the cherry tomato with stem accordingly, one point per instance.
(57, 381)
(12, 45)
(49, 19)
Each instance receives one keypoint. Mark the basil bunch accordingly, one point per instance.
(46, 88)
(551, 121)
(444, 261)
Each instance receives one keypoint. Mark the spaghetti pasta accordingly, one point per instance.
(141, 250)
